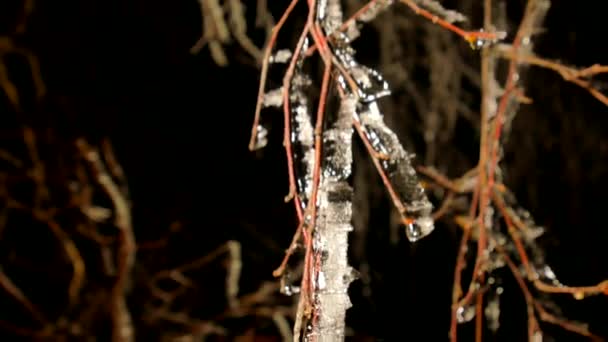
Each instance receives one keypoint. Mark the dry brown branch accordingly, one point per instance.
(217, 30)
(121, 318)
(7, 285)
(569, 74)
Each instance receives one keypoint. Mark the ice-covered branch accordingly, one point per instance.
(333, 224)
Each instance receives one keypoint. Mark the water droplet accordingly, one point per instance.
(465, 313)
(544, 273)
(287, 286)
(290, 290)
(261, 138)
(419, 228)
(481, 42)
(397, 165)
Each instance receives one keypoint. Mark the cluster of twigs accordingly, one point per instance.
(309, 153)
(91, 173)
(224, 20)
(71, 197)
(95, 173)
(503, 232)
(81, 221)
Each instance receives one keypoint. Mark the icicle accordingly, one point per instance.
(397, 165)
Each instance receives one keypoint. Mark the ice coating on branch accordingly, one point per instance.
(338, 154)
(395, 161)
(450, 16)
(479, 43)
(333, 226)
(372, 85)
(376, 8)
(397, 165)
(302, 132)
(329, 13)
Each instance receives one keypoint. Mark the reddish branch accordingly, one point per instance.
(325, 39)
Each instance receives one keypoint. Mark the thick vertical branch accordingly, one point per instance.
(331, 232)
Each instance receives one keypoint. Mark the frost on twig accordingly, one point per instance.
(450, 16)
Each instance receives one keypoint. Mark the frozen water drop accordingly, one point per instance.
(465, 313)
(419, 228)
(481, 42)
(545, 273)
(281, 56)
(290, 290)
(261, 138)
(287, 286)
